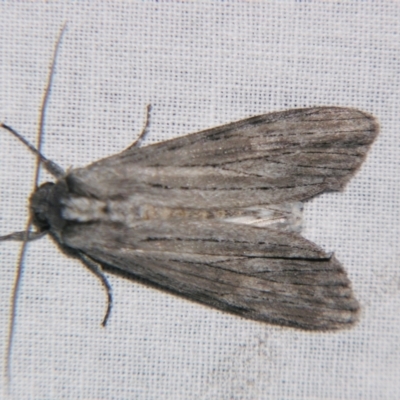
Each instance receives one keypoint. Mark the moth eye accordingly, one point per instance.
(41, 220)
(40, 217)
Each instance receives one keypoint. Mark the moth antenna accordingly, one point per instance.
(46, 100)
(49, 165)
(27, 233)
(20, 236)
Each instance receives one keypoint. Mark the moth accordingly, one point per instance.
(214, 216)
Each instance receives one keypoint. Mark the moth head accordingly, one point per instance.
(45, 204)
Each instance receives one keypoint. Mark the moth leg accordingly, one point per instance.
(144, 131)
(20, 236)
(98, 271)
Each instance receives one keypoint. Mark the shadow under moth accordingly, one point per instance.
(213, 216)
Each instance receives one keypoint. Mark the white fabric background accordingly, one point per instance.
(199, 64)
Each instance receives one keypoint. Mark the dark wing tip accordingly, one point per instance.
(366, 138)
(351, 138)
(316, 296)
